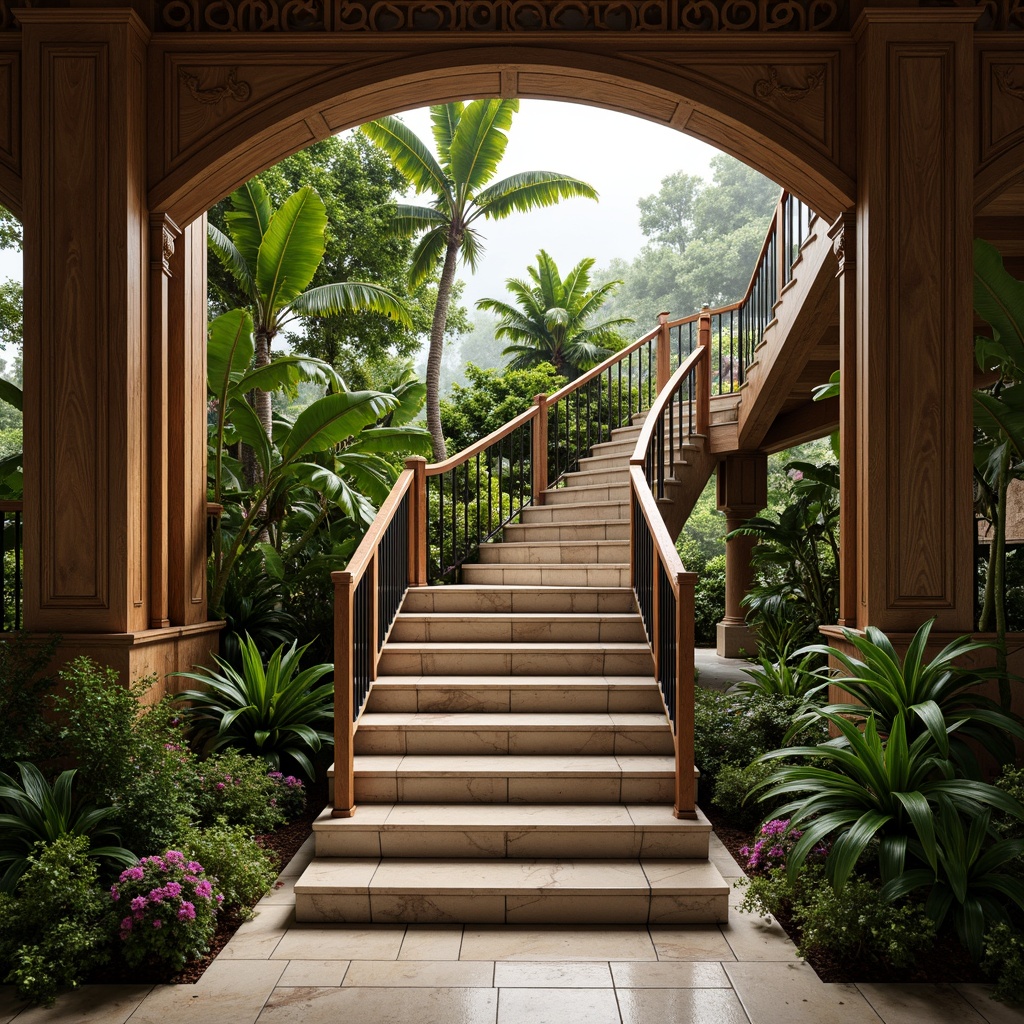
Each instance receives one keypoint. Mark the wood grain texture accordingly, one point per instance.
(85, 321)
(229, 106)
(1000, 115)
(914, 321)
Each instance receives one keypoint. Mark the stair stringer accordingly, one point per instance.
(683, 491)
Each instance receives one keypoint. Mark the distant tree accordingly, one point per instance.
(470, 140)
(551, 319)
(704, 240)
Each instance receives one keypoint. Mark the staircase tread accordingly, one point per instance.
(520, 765)
(599, 721)
(519, 682)
(523, 616)
(545, 817)
(421, 876)
(514, 646)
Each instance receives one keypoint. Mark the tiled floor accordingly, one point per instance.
(277, 972)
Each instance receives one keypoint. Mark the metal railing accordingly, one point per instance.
(11, 560)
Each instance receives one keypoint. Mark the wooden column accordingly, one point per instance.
(186, 427)
(86, 393)
(843, 234)
(915, 138)
(742, 493)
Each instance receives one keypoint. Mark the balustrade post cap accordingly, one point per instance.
(412, 461)
(705, 305)
(663, 317)
(540, 399)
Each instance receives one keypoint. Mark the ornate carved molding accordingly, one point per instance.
(996, 16)
(843, 234)
(237, 90)
(766, 88)
(503, 15)
(1005, 78)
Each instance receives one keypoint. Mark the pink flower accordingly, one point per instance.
(139, 903)
(157, 923)
(220, 785)
(126, 924)
(187, 911)
(204, 889)
(195, 867)
(134, 874)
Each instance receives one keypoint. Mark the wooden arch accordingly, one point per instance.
(229, 114)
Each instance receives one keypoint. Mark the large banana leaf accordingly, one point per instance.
(285, 372)
(234, 262)
(445, 119)
(249, 218)
(479, 143)
(342, 296)
(414, 440)
(11, 394)
(999, 300)
(248, 428)
(1002, 416)
(409, 154)
(229, 350)
(292, 249)
(332, 419)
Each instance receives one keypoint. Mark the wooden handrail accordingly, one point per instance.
(663, 544)
(12, 506)
(643, 442)
(363, 555)
(434, 468)
(615, 357)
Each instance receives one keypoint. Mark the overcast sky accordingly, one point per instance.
(623, 157)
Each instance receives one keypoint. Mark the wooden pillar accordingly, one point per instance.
(86, 394)
(843, 234)
(742, 493)
(915, 138)
(186, 427)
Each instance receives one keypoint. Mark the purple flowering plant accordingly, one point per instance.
(289, 796)
(775, 839)
(166, 909)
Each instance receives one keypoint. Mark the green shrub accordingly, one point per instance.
(25, 732)
(235, 788)
(1004, 962)
(709, 601)
(52, 929)
(241, 870)
(290, 797)
(270, 711)
(165, 909)
(733, 785)
(785, 677)
(131, 756)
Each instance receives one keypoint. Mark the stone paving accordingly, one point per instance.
(275, 971)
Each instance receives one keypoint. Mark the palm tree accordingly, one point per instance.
(471, 141)
(550, 319)
(273, 257)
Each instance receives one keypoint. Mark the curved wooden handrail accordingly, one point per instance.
(663, 544)
(363, 555)
(643, 442)
(12, 506)
(615, 357)
(434, 468)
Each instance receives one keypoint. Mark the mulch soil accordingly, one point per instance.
(948, 962)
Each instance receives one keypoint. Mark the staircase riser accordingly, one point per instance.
(552, 512)
(511, 844)
(386, 789)
(499, 629)
(511, 908)
(521, 741)
(597, 700)
(586, 495)
(569, 600)
(487, 663)
(525, 534)
(599, 552)
(551, 575)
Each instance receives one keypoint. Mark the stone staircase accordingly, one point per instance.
(513, 762)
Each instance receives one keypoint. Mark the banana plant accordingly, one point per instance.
(329, 455)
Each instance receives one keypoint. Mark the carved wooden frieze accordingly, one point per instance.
(503, 15)
(799, 91)
(1002, 102)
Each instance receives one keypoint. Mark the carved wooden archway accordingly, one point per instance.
(119, 125)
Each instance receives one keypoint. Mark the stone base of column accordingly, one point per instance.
(736, 640)
(147, 652)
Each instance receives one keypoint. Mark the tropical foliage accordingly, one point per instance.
(272, 711)
(551, 319)
(470, 139)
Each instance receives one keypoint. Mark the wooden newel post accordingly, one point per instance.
(703, 375)
(664, 358)
(417, 521)
(344, 672)
(539, 453)
(685, 796)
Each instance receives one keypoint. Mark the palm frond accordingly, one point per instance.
(409, 154)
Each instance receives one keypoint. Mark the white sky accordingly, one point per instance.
(623, 157)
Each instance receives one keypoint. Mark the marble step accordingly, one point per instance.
(496, 891)
(587, 476)
(523, 779)
(515, 733)
(495, 659)
(565, 511)
(568, 552)
(517, 627)
(463, 598)
(512, 830)
(515, 694)
(579, 530)
(579, 493)
(552, 574)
